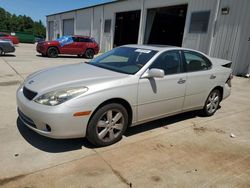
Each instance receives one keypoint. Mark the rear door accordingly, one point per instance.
(71, 48)
(83, 44)
(201, 79)
(161, 96)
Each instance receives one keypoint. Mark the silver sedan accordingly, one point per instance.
(126, 86)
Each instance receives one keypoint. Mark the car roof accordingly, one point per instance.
(156, 47)
(81, 36)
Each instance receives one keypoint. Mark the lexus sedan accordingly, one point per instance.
(81, 46)
(126, 86)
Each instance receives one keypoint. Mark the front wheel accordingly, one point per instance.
(1, 51)
(107, 125)
(212, 103)
(52, 52)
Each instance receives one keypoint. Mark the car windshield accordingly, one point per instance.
(124, 59)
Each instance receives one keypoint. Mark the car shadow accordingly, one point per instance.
(63, 145)
(164, 122)
(8, 55)
(63, 56)
(48, 144)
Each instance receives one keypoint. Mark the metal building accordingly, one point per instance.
(219, 28)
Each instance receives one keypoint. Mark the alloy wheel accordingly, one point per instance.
(110, 125)
(213, 102)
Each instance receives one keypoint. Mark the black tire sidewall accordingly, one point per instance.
(91, 129)
(52, 48)
(92, 54)
(1, 51)
(205, 111)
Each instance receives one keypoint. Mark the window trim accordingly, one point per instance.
(182, 67)
(194, 52)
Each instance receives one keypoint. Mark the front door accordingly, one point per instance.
(161, 96)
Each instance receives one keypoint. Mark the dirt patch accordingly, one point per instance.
(206, 129)
(7, 180)
(10, 83)
(155, 178)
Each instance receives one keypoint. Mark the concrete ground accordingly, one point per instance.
(181, 151)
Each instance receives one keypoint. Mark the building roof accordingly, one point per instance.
(92, 6)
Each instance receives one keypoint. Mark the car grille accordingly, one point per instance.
(28, 93)
(26, 119)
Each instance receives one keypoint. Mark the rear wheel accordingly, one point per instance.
(52, 52)
(1, 51)
(212, 103)
(107, 125)
(89, 54)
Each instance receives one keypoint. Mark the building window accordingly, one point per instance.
(199, 22)
(107, 26)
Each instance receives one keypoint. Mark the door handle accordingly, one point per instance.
(212, 76)
(181, 81)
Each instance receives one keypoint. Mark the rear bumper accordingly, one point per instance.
(226, 91)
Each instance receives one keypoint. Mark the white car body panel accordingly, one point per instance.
(149, 98)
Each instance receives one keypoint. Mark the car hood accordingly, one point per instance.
(66, 76)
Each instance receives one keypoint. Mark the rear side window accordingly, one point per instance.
(196, 61)
(85, 40)
(169, 61)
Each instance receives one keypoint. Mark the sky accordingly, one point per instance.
(38, 9)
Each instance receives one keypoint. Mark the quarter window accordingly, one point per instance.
(85, 40)
(196, 61)
(169, 62)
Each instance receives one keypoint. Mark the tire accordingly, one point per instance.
(89, 54)
(52, 52)
(107, 125)
(1, 51)
(212, 103)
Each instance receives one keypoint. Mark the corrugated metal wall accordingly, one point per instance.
(199, 41)
(232, 33)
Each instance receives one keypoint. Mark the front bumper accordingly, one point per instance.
(9, 49)
(51, 121)
(41, 49)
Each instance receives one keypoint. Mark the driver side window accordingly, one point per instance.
(169, 62)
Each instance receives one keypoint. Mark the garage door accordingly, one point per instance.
(51, 30)
(68, 27)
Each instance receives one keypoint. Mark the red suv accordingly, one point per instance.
(73, 45)
(5, 36)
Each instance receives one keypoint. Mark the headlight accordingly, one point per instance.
(57, 97)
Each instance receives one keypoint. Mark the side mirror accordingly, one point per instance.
(154, 73)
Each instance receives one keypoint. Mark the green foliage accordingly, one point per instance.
(14, 23)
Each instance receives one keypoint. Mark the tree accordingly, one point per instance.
(13, 23)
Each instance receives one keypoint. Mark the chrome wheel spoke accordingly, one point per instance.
(103, 133)
(109, 115)
(117, 117)
(118, 126)
(111, 134)
(101, 123)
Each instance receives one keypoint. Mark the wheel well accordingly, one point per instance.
(220, 90)
(123, 102)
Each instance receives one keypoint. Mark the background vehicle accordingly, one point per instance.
(6, 47)
(12, 38)
(73, 45)
(126, 86)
